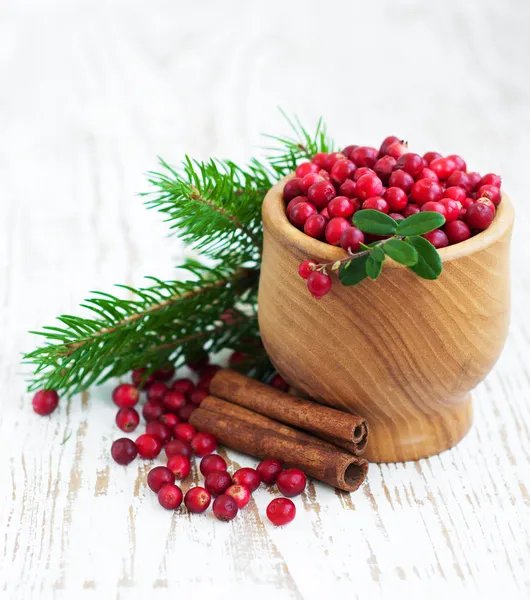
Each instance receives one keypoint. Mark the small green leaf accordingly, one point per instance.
(336, 265)
(373, 267)
(402, 252)
(375, 222)
(429, 265)
(420, 223)
(354, 271)
(378, 254)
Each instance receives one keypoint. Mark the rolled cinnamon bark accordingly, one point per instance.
(341, 429)
(316, 458)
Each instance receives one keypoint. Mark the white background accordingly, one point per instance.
(90, 93)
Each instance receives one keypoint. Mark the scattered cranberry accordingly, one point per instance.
(152, 411)
(426, 190)
(156, 391)
(240, 493)
(369, 186)
(212, 462)
(342, 170)
(490, 179)
(148, 445)
(175, 447)
(249, 477)
(340, 206)
(123, 451)
(184, 386)
(127, 419)
(197, 396)
(225, 508)
(364, 156)
(428, 157)
(140, 379)
(455, 193)
(315, 226)
(334, 230)
(45, 402)
(348, 189)
(479, 216)
(269, 469)
(395, 198)
(457, 231)
(185, 412)
(197, 499)
(170, 496)
(401, 179)
(397, 149)
(411, 163)
(203, 443)
(291, 482)
(320, 194)
(435, 207)
(318, 284)
(160, 430)
(281, 511)
(306, 268)
(410, 209)
(125, 395)
(351, 239)
(169, 419)
(490, 191)
(165, 373)
(279, 383)
(300, 213)
(376, 203)
(173, 400)
(180, 466)
(292, 189)
(437, 238)
(443, 167)
(159, 477)
(306, 168)
(217, 482)
(452, 209)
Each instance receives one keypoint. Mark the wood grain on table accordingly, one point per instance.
(90, 94)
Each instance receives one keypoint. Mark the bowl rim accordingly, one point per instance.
(275, 220)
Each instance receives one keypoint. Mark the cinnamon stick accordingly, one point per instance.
(339, 428)
(316, 458)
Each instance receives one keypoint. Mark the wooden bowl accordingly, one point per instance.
(401, 351)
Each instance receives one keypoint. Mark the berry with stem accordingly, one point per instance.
(351, 239)
(318, 284)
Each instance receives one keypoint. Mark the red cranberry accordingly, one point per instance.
(325, 213)
(291, 482)
(426, 190)
(279, 383)
(459, 162)
(173, 400)
(455, 193)
(197, 396)
(411, 163)
(240, 493)
(369, 186)
(321, 193)
(45, 402)
(160, 430)
(249, 477)
(401, 179)
(292, 189)
(169, 419)
(488, 203)
(184, 386)
(426, 173)
(410, 209)
(457, 231)
(437, 238)
(140, 378)
(315, 226)
(269, 469)
(452, 209)
(148, 445)
(212, 462)
(225, 508)
(332, 159)
(364, 156)
(125, 395)
(180, 466)
(459, 179)
(490, 179)
(387, 142)
(348, 150)
(342, 170)
(376, 203)
(124, 451)
(306, 268)
(293, 203)
(428, 157)
(281, 511)
(348, 189)
(351, 239)
(306, 168)
(490, 191)
(170, 496)
(443, 167)
(127, 419)
(340, 206)
(197, 499)
(384, 167)
(185, 412)
(203, 443)
(396, 216)
(238, 357)
(152, 411)
(176, 447)
(467, 202)
(217, 482)
(156, 391)
(318, 284)
(320, 159)
(334, 230)
(362, 172)
(300, 213)
(184, 432)
(479, 216)
(165, 373)
(434, 207)
(308, 181)
(474, 179)
(396, 199)
(207, 375)
(397, 150)
(159, 477)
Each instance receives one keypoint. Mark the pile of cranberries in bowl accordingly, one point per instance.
(328, 190)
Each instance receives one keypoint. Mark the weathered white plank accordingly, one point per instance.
(90, 93)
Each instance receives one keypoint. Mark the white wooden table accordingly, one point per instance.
(90, 93)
